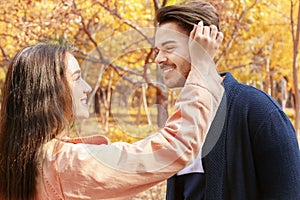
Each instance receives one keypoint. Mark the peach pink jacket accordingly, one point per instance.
(96, 170)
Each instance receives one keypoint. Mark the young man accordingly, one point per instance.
(256, 154)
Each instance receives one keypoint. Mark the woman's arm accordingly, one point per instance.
(120, 170)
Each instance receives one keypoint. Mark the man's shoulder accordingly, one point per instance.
(246, 93)
(246, 98)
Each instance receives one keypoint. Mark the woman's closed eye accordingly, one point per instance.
(76, 77)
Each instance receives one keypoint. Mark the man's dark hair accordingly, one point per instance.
(186, 15)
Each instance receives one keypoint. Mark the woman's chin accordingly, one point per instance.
(82, 116)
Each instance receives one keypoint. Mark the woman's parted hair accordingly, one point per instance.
(37, 106)
(186, 15)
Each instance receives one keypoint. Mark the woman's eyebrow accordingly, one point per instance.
(78, 71)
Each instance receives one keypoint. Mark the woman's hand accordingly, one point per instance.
(204, 42)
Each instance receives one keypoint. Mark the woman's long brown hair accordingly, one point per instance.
(36, 107)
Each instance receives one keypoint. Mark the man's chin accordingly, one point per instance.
(172, 85)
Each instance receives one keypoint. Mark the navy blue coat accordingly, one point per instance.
(254, 156)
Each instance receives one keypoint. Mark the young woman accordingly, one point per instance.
(44, 93)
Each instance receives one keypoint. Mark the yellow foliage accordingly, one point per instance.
(2, 74)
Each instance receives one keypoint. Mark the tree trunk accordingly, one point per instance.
(138, 119)
(295, 36)
(284, 95)
(108, 100)
(145, 103)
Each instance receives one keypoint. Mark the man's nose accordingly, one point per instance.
(160, 58)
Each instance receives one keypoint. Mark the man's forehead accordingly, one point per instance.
(169, 33)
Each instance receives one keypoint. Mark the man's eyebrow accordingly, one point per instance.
(168, 42)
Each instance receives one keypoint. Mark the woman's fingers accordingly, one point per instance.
(193, 32)
(206, 33)
(199, 29)
(213, 31)
(204, 41)
(220, 37)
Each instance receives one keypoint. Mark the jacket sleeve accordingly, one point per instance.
(121, 170)
(277, 158)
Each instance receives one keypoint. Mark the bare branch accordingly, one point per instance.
(156, 5)
(292, 21)
(6, 57)
(240, 66)
(164, 3)
(120, 70)
(298, 30)
(84, 56)
(87, 32)
(116, 14)
(235, 31)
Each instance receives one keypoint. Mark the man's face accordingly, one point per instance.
(171, 42)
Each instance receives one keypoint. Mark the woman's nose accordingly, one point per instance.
(87, 88)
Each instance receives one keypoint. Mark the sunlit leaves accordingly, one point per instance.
(262, 36)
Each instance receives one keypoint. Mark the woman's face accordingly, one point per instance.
(79, 88)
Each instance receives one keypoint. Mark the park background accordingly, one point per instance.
(113, 42)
